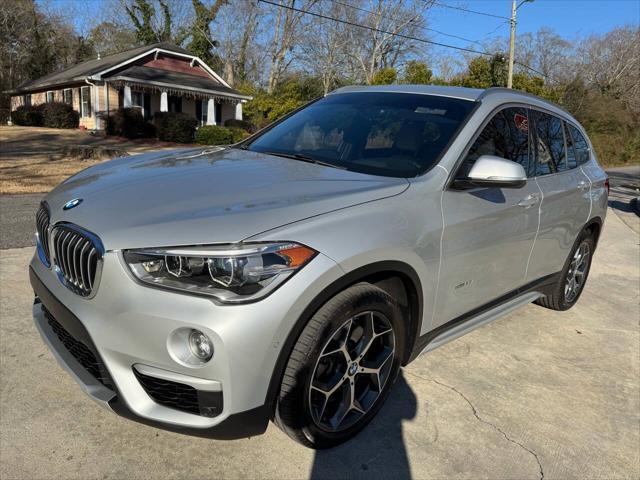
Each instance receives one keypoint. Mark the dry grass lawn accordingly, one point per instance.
(34, 160)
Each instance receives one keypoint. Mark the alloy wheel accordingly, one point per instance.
(577, 272)
(351, 371)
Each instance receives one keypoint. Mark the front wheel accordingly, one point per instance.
(341, 368)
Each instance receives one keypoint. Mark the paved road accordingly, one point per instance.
(535, 393)
(17, 220)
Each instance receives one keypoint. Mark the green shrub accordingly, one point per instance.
(243, 124)
(28, 116)
(127, 122)
(59, 115)
(238, 134)
(214, 135)
(175, 127)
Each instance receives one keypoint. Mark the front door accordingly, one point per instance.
(489, 233)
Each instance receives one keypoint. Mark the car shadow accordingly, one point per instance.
(378, 451)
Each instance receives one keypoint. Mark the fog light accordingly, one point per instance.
(200, 345)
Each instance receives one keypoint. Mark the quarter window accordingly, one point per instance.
(85, 101)
(579, 144)
(505, 136)
(549, 144)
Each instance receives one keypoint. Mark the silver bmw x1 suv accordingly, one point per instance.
(289, 277)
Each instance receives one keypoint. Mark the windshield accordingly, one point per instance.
(390, 134)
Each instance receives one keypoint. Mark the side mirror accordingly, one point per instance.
(496, 172)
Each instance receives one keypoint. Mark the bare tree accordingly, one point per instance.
(287, 21)
(323, 51)
(379, 46)
(238, 29)
(547, 52)
(611, 63)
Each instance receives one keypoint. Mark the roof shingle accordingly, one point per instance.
(90, 67)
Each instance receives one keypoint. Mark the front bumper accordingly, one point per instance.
(126, 327)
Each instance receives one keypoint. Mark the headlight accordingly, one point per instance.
(236, 273)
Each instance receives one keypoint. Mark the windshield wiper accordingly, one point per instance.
(305, 158)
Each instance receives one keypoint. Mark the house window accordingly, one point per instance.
(137, 99)
(201, 111)
(85, 102)
(67, 96)
(49, 96)
(218, 113)
(175, 104)
(26, 100)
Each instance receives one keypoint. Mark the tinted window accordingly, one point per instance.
(390, 134)
(549, 143)
(571, 151)
(579, 144)
(506, 136)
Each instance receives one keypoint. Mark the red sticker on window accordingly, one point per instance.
(522, 123)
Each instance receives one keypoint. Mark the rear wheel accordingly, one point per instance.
(573, 277)
(342, 367)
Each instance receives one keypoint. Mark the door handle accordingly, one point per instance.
(529, 201)
(582, 185)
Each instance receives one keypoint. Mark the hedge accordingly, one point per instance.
(60, 115)
(128, 122)
(28, 116)
(218, 135)
(52, 115)
(242, 124)
(175, 127)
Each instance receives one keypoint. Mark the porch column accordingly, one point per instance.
(106, 99)
(164, 102)
(96, 109)
(239, 111)
(127, 96)
(211, 112)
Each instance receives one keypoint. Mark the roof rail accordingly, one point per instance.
(491, 90)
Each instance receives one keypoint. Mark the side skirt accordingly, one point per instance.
(484, 314)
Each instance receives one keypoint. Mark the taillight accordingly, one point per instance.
(606, 184)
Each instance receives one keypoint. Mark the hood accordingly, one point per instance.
(216, 195)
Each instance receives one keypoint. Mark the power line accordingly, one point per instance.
(373, 29)
(401, 35)
(453, 7)
(400, 20)
(500, 25)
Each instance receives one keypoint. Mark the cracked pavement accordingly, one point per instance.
(536, 394)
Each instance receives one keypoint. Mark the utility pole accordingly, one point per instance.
(512, 40)
(512, 44)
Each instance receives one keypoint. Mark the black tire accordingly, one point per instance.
(293, 411)
(557, 299)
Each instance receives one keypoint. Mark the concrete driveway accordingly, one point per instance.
(535, 394)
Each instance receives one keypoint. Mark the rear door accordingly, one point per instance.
(488, 232)
(565, 189)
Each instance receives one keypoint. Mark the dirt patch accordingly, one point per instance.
(34, 160)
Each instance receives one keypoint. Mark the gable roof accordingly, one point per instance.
(166, 78)
(85, 69)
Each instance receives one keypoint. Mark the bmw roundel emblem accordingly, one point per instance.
(72, 204)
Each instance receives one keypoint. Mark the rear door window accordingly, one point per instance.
(549, 143)
(505, 136)
(580, 144)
